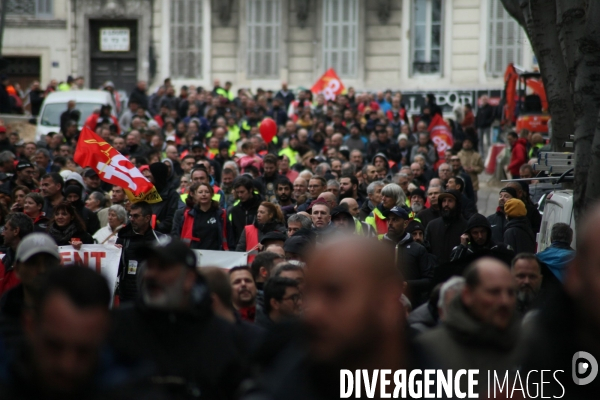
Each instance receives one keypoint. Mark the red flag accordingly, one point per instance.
(112, 167)
(441, 136)
(330, 84)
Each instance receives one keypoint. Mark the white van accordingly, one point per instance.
(86, 101)
(557, 207)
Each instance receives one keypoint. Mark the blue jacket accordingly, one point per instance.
(556, 258)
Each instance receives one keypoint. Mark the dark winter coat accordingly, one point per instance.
(262, 231)
(497, 223)
(443, 234)
(490, 247)
(243, 214)
(194, 350)
(519, 236)
(427, 215)
(131, 258)
(416, 267)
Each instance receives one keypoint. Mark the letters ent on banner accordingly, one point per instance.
(102, 258)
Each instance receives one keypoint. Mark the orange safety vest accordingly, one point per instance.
(251, 240)
(188, 224)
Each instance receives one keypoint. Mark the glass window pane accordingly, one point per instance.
(420, 37)
(436, 10)
(436, 36)
(420, 11)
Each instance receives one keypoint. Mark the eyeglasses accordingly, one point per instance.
(295, 298)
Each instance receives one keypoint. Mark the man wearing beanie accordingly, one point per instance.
(518, 234)
(498, 219)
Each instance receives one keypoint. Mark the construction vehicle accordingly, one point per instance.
(525, 102)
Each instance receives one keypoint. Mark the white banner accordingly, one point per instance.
(221, 259)
(101, 258)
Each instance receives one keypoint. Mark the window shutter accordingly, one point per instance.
(186, 36)
(264, 24)
(505, 38)
(340, 36)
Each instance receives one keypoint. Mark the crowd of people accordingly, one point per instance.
(356, 228)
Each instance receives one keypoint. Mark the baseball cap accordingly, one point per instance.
(23, 164)
(400, 212)
(89, 173)
(34, 244)
(197, 143)
(273, 235)
(170, 251)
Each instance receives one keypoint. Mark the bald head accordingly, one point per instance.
(329, 198)
(517, 186)
(365, 313)
(489, 294)
(352, 206)
(277, 249)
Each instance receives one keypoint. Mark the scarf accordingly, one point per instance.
(248, 313)
(62, 235)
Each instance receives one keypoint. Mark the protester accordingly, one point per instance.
(282, 301)
(67, 228)
(117, 219)
(443, 233)
(498, 220)
(517, 232)
(32, 207)
(244, 292)
(559, 254)
(527, 272)
(245, 209)
(268, 219)
(173, 326)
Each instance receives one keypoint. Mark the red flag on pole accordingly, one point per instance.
(441, 136)
(330, 84)
(112, 167)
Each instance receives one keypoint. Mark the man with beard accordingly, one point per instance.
(480, 329)
(429, 214)
(172, 326)
(419, 178)
(477, 240)
(498, 219)
(458, 184)
(244, 292)
(361, 326)
(417, 200)
(23, 177)
(527, 272)
(245, 208)
(349, 189)
(284, 196)
(283, 302)
(412, 258)
(443, 233)
(269, 177)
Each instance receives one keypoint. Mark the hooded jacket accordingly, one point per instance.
(497, 223)
(416, 267)
(171, 201)
(242, 214)
(461, 251)
(556, 257)
(443, 233)
(519, 236)
(518, 156)
(427, 215)
(463, 342)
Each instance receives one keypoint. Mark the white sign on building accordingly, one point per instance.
(114, 39)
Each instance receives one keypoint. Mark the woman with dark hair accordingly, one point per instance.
(269, 218)
(67, 228)
(32, 207)
(18, 198)
(203, 223)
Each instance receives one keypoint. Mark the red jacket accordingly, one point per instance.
(518, 156)
(8, 279)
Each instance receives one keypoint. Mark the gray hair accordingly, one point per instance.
(45, 152)
(419, 157)
(303, 219)
(456, 284)
(8, 156)
(394, 191)
(120, 211)
(322, 169)
(373, 185)
(232, 166)
(333, 182)
(100, 198)
(348, 169)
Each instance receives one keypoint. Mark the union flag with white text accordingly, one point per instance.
(329, 84)
(112, 167)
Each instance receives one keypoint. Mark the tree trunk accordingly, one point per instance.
(570, 18)
(540, 17)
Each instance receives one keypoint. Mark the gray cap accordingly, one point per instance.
(34, 244)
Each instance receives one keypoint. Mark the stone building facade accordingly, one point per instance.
(412, 45)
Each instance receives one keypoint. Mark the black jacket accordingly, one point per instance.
(519, 236)
(443, 234)
(485, 116)
(497, 223)
(90, 218)
(262, 231)
(12, 305)
(61, 237)
(165, 210)
(194, 351)
(131, 258)
(416, 267)
(243, 214)
(218, 214)
(140, 97)
(490, 247)
(427, 215)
